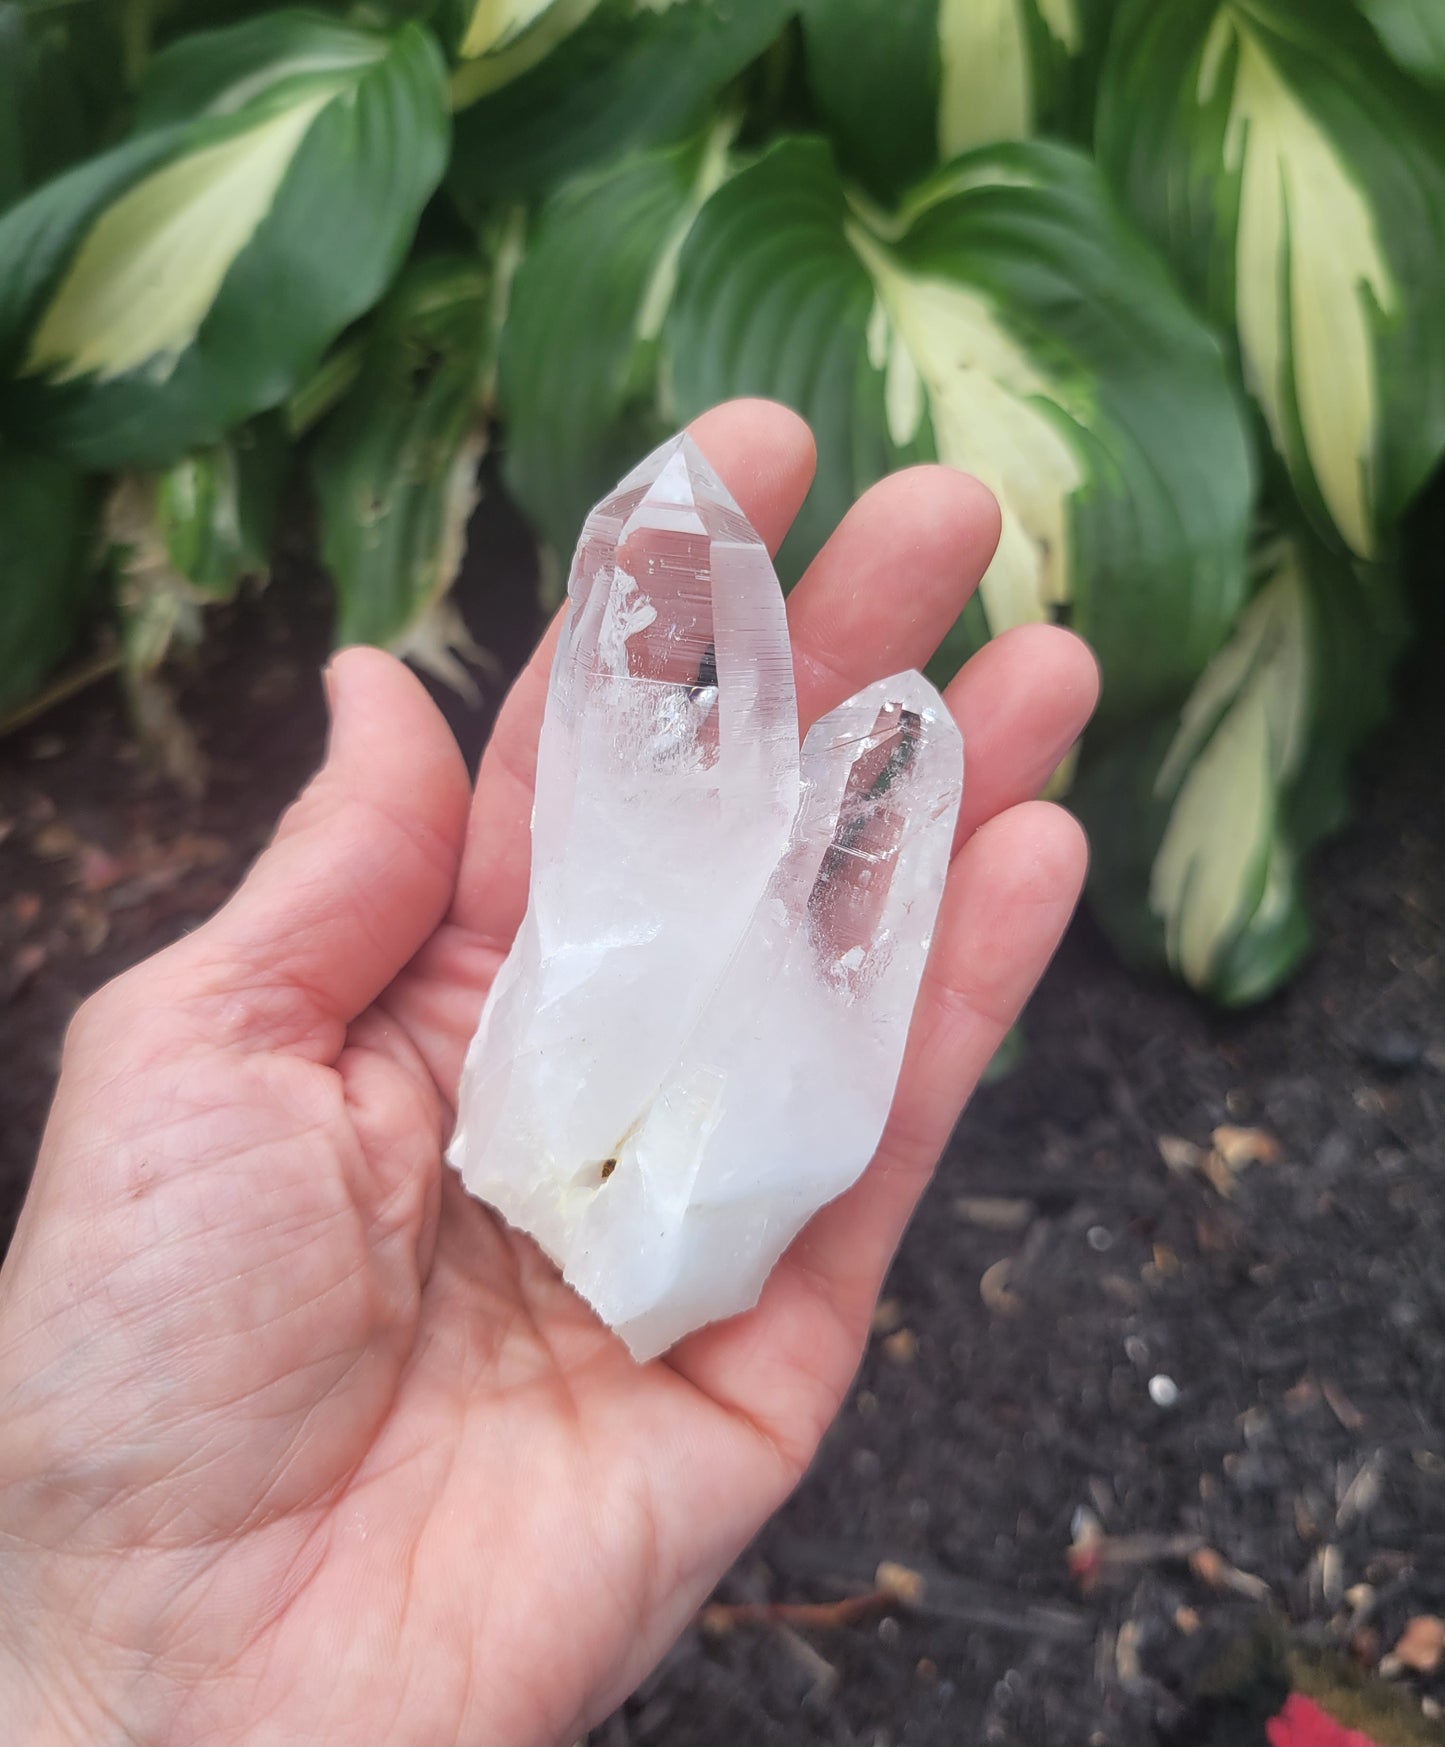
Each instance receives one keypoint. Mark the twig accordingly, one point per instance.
(1095, 1554)
(66, 686)
(721, 1617)
(1211, 1567)
(929, 1594)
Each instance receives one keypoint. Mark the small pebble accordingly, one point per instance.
(1100, 1238)
(1136, 1349)
(994, 1212)
(1163, 1391)
(902, 1346)
(1395, 1051)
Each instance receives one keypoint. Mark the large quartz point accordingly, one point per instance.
(694, 1041)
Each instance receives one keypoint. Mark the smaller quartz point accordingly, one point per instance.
(695, 1040)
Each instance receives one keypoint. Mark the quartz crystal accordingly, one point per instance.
(694, 1042)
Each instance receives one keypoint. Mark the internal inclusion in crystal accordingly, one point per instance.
(847, 898)
(695, 1039)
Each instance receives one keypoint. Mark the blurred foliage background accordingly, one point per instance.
(1166, 274)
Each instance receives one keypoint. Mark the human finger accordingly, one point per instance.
(785, 1365)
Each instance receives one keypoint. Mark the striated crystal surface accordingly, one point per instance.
(694, 1042)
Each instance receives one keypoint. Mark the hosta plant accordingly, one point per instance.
(1166, 277)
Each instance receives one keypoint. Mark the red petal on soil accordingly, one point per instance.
(1303, 1724)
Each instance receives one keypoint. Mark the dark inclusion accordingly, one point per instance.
(852, 884)
(706, 669)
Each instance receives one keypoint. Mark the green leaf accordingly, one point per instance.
(578, 374)
(395, 465)
(59, 91)
(1200, 824)
(216, 509)
(188, 278)
(499, 40)
(188, 537)
(1297, 179)
(905, 87)
(271, 62)
(1242, 739)
(631, 73)
(1414, 33)
(47, 552)
(1006, 322)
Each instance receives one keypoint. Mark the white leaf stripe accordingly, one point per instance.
(345, 56)
(147, 272)
(1310, 272)
(491, 65)
(714, 167)
(1241, 739)
(1062, 18)
(986, 72)
(985, 86)
(942, 347)
(495, 23)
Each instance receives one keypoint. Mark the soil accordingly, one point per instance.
(1154, 1416)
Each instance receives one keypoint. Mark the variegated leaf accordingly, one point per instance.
(139, 314)
(1241, 739)
(1005, 322)
(1298, 180)
(578, 375)
(1201, 821)
(499, 40)
(588, 80)
(395, 467)
(908, 86)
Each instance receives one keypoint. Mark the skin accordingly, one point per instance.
(297, 1442)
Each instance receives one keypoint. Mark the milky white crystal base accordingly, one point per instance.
(694, 1042)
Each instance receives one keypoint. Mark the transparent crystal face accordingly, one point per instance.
(851, 889)
(694, 1041)
(666, 567)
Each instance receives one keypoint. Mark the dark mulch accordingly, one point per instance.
(102, 864)
(1290, 1315)
(1300, 1319)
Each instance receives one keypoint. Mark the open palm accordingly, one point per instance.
(297, 1442)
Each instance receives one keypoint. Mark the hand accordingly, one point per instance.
(297, 1442)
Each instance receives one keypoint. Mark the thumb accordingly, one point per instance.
(358, 875)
